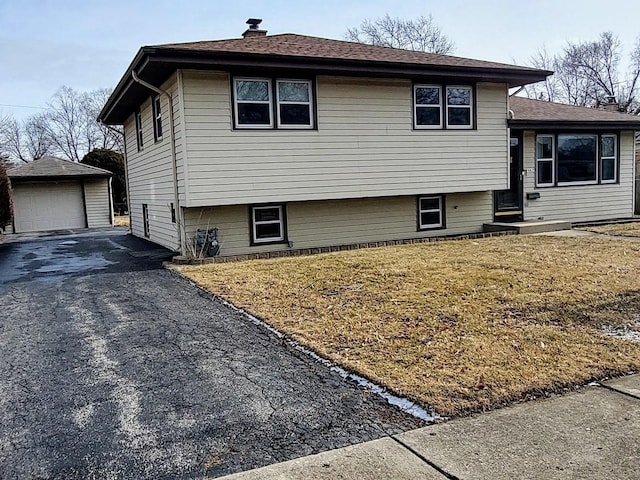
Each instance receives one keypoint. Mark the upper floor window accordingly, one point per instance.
(428, 106)
(256, 104)
(139, 136)
(459, 104)
(295, 108)
(432, 110)
(157, 118)
(576, 159)
(253, 102)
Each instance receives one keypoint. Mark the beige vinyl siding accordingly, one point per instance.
(342, 222)
(580, 203)
(150, 171)
(365, 146)
(98, 203)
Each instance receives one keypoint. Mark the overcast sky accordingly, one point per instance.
(88, 44)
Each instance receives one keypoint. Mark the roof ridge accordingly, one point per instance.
(356, 45)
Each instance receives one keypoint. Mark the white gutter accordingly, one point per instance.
(174, 160)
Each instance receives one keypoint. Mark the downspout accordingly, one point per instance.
(174, 160)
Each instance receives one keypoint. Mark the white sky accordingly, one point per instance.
(87, 44)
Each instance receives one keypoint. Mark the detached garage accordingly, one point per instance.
(55, 194)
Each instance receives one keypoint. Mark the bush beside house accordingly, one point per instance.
(6, 204)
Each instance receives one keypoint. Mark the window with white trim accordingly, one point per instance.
(430, 212)
(157, 118)
(565, 159)
(268, 224)
(252, 102)
(432, 111)
(459, 107)
(294, 99)
(609, 158)
(427, 100)
(544, 160)
(258, 105)
(139, 135)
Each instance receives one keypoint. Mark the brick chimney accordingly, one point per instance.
(611, 105)
(253, 30)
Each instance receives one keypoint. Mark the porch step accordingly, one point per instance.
(523, 228)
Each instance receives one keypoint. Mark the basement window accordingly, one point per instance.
(268, 224)
(430, 212)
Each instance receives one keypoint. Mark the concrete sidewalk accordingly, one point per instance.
(590, 434)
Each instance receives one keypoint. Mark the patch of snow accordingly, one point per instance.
(625, 332)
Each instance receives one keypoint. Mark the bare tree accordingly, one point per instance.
(589, 74)
(72, 123)
(421, 34)
(28, 140)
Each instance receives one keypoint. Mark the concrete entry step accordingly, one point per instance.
(536, 226)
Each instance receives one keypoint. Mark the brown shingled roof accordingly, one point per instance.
(289, 44)
(300, 54)
(48, 167)
(527, 111)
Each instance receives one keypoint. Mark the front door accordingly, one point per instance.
(508, 203)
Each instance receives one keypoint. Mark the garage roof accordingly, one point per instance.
(49, 167)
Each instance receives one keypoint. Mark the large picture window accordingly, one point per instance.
(432, 111)
(576, 159)
(268, 224)
(273, 103)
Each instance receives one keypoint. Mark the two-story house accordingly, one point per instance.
(288, 142)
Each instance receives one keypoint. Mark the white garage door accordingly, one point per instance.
(48, 206)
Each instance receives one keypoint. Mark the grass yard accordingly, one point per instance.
(461, 326)
(121, 220)
(631, 229)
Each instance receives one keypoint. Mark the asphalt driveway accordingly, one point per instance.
(112, 367)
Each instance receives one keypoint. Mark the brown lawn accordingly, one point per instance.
(461, 326)
(624, 229)
(121, 220)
